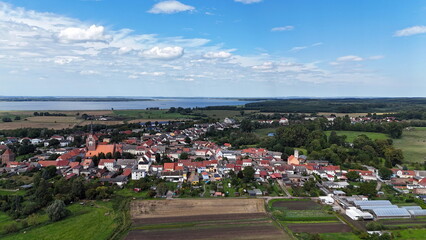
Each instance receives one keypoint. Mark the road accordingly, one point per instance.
(282, 185)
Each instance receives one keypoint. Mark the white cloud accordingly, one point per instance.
(264, 66)
(248, 1)
(166, 53)
(299, 48)
(155, 74)
(296, 49)
(378, 57)
(280, 29)
(30, 39)
(410, 31)
(89, 72)
(350, 58)
(169, 7)
(93, 33)
(62, 60)
(221, 54)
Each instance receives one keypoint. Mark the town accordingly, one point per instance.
(149, 162)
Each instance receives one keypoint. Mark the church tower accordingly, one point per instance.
(91, 142)
(8, 156)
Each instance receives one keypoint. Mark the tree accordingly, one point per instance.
(385, 173)
(184, 156)
(57, 211)
(368, 188)
(248, 174)
(54, 142)
(246, 125)
(187, 140)
(353, 176)
(394, 156)
(6, 119)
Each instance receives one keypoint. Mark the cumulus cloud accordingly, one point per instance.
(248, 1)
(281, 29)
(75, 51)
(92, 33)
(221, 54)
(410, 31)
(165, 53)
(169, 7)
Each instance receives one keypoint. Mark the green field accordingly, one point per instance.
(413, 144)
(86, 222)
(263, 132)
(149, 114)
(222, 114)
(351, 135)
(410, 234)
(339, 236)
(11, 192)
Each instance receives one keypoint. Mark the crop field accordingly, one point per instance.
(297, 205)
(50, 122)
(351, 135)
(149, 114)
(202, 219)
(329, 227)
(413, 145)
(303, 215)
(192, 207)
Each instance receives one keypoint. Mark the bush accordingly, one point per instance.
(374, 226)
(57, 211)
(11, 228)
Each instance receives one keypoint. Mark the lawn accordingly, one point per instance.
(339, 236)
(263, 132)
(86, 222)
(413, 144)
(410, 234)
(11, 192)
(351, 135)
(125, 192)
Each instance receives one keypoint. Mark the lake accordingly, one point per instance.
(162, 103)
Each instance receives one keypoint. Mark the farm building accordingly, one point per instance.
(372, 203)
(357, 214)
(383, 213)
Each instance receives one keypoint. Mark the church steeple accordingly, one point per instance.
(91, 140)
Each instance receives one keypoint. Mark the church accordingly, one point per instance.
(94, 147)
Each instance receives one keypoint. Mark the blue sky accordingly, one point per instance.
(213, 48)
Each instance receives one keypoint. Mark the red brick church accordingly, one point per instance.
(7, 156)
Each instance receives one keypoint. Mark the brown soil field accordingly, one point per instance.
(320, 227)
(194, 207)
(268, 232)
(199, 218)
(297, 205)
